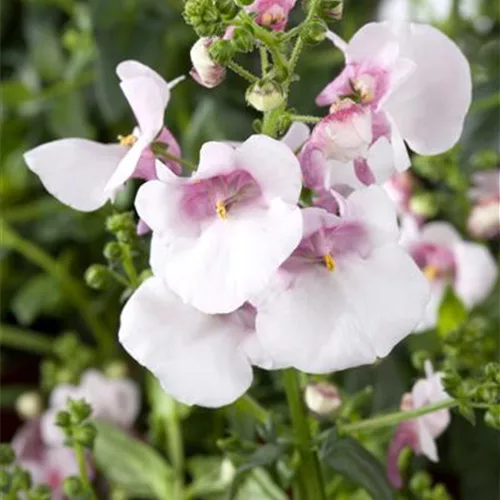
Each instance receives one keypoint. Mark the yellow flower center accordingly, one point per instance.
(329, 262)
(270, 18)
(221, 210)
(431, 272)
(127, 140)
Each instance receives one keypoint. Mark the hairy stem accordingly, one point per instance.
(240, 70)
(305, 118)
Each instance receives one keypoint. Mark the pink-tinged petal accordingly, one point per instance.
(234, 258)
(440, 233)
(426, 443)
(405, 436)
(430, 106)
(380, 160)
(377, 301)
(127, 70)
(76, 171)
(273, 166)
(296, 136)
(148, 101)
(342, 174)
(376, 210)
(401, 158)
(476, 272)
(216, 158)
(315, 168)
(430, 317)
(159, 204)
(196, 357)
(336, 40)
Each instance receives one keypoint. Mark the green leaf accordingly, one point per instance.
(211, 476)
(347, 457)
(258, 485)
(133, 465)
(452, 313)
(263, 456)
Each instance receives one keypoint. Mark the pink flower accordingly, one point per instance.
(484, 219)
(228, 227)
(114, 400)
(86, 174)
(46, 464)
(347, 294)
(396, 71)
(445, 258)
(419, 434)
(272, 13)
(205, 70)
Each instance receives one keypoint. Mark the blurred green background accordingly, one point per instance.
(58, 80)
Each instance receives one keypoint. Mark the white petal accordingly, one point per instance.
(476, 272)
(158, 254)
(216, 158)
(341, 174)
(426, 442)
(430, 106)
(371, 39)
(440, 233)
(296, 136)
(273, 165)
(380, 159)
(336, 40)
(401, 157)
(233, 259)
(196, 357)
(324, 322)
(430, 317)
(76, 171)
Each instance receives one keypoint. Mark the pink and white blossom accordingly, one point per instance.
(272, 14)
(446, 259)
(419, 434)
(47, 464)
(484, 218)
(85, 174)
(205, 70)
(198, 358)
(348, 293)
(228, 227)
(113, 400)
(395, 70)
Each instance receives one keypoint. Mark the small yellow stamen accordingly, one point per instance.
(431, 272)
(221, 210)
(127, 140)
(270, 18)
(329, 262)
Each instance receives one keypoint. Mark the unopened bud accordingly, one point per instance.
(72, 486)
(332, 9)
(79, 410)
(85, 434)
(97, 277)
(112, 251)
(423, 204)
(322, 398)
(221, 51)
(7, 455)
(314, 32)
(205, 70)
(243, 40)
(265, 96)
(63, 419)
(29, 405)
(120, 222)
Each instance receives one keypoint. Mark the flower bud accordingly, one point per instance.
(243, 39)
(314, 32)
(7, 455)
(204, 17)
(424, 204)
(40, 492)
(79, 410)
(332, 9)
(63, 419)
(85, 434)
(112, 251)
(265, 96)
(322, 398)
(97, 277)
(205, 70)
(29, 405)
(120, 222)
(346, 133)
(484, 220)
(221, 51)
(72, 486)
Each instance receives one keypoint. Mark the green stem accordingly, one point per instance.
(176, 450)
(305, 118)
(10, 239)
(240, 70)
(246, 404)
(310, 480)
(264, 60)
(25, 340)
(396, 418)
(129, 267)
(82, 466)
(181, 161)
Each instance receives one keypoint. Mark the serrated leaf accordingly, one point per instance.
(347, 457)
(452, 313)
(133, 465)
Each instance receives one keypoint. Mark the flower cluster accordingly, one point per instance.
(246, 270)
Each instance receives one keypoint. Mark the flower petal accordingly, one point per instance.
(296, 136)
(196, 357)
(476, 272)
(234, 258)
(430, 106)
(440, 233)
(216, 158)
(76, 171)
(273, 165)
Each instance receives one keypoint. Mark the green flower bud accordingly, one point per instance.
(85, 434)
(29, 405)
(243, 39)
(7, 455)
(40, 492)
(120, 222)
(244, 3)
(112, 251)
(204, 17)
(265, 96)
(97, 277)
(227, 8)
(72, 486)
(424, 204)
(222, 51)
(63, 419)
(492, 417)
(79, 410)
(21, 479)
(314, 32)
